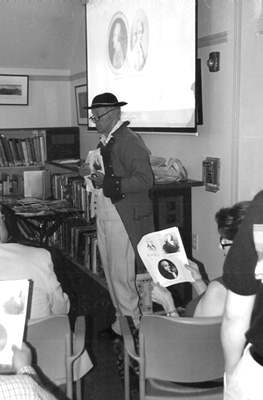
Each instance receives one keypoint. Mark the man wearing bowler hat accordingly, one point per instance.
(124, 209)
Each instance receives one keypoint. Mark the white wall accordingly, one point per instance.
(250, 161)
(49, 102)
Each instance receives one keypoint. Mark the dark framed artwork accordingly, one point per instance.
(14, 90)
(81, 102)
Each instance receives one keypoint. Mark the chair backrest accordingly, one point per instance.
(181, 349)
(49, 338)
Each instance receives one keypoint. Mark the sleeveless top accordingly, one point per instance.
(191, 306)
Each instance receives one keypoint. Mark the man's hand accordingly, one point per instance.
(21, 357)
(84, 170)
(97, 177)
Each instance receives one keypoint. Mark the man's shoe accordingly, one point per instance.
(108, 334)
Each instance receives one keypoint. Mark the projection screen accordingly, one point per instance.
(145, 53)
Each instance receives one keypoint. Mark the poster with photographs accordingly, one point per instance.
(164, 257)
(13, 310)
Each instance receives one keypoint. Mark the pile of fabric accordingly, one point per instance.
(172, 171)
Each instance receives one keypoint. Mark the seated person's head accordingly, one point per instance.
(229, 219)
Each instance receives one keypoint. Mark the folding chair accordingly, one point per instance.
(57, 348)
(179, 358)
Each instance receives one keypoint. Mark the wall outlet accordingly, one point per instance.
(195, 241)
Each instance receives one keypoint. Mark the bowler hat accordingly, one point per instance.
(106, 100)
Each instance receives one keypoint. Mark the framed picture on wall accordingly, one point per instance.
(81, 102)
(14, 90)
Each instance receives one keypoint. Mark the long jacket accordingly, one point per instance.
(128, 179)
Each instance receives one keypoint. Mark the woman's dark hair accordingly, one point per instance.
(229, 219)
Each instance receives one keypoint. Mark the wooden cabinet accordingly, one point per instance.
(172, 206)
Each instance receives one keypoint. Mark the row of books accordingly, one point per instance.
(70, 187)
(17, 152)
(75, 237)
(78, 240)
(11, 185)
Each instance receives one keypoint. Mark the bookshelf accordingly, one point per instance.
(22, 150)
(28, 149)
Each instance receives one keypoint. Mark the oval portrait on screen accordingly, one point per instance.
(139, 40)
(118, 42)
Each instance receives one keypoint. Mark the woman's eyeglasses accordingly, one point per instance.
(224, 242)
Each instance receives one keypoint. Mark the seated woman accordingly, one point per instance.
(210, 300)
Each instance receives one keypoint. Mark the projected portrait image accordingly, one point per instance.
(146, 47)
(118, 41)
(139, 40)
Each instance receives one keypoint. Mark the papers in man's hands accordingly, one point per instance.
(13, 311)
(164, 257)
(95, 163)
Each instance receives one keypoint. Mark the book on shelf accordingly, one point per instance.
(22, 151)
(7, 151)
(36, 147)
(4, 162)
(81, 225)
(76, 238)
(68, 233)
(25, 152)
(37, 184)
(42, 149)
(18, 144)
(94, 248)
(89, 248)
(29, 151)
(14, 296)
(164, 256)
(14, 152)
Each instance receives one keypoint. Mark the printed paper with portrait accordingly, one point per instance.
(164, 257)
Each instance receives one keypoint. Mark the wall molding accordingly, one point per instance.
(79, 75)
(49, 78)
(210, 40)
(58, 78)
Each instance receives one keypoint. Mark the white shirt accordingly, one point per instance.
(24, 262)
(103, 206)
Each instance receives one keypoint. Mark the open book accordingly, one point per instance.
(13, 310)
(164, 257)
